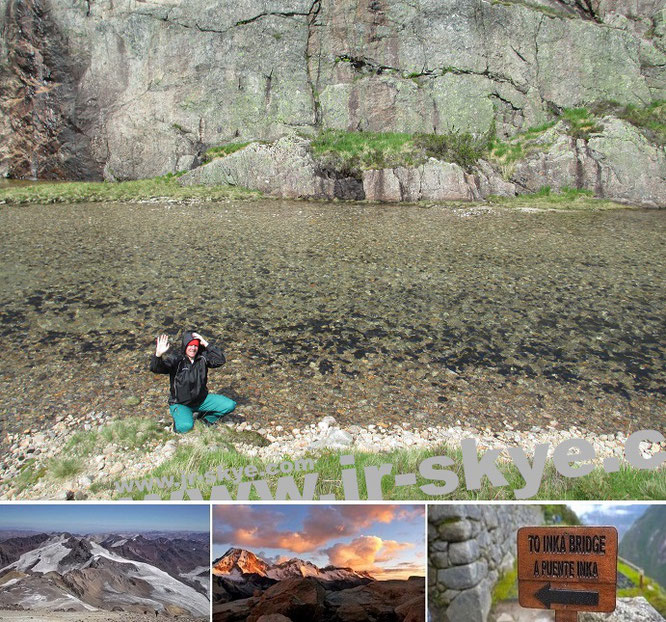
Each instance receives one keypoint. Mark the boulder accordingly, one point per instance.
(463, 577)
(618, 163)
(334, 439)
(378, 600)
(471, 605)
(433, 181)
(455, 530)
(627, 610)
(298, 599)
(284, 168)
(236, 611)
(412, 611)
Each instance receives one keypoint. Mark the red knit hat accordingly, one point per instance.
(193, 341)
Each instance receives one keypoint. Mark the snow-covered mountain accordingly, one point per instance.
(73, 572)
(236, 563)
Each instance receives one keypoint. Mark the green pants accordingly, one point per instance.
(212, 408)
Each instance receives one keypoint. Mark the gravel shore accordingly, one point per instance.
(115, 462)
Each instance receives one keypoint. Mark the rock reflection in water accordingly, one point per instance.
(372, 314)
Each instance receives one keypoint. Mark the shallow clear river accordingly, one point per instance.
(371, 314)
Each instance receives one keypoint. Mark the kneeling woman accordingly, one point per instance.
(188, 375)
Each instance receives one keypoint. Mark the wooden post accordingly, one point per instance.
(566, 616)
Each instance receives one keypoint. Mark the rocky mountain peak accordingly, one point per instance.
(239, 561)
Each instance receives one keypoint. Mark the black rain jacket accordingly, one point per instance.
(188, 379)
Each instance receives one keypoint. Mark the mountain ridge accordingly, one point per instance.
(65, 572)
(236, 562)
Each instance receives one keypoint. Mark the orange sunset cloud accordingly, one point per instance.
(256, 526)
(364, 553)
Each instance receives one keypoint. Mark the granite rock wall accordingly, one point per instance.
(127, 88)
(469, 548)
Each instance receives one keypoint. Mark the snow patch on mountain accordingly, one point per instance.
(66, 601)
(43, 559)
(10, 582)
(199, 574)
(165, 587)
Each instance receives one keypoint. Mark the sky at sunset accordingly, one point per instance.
(388, 541)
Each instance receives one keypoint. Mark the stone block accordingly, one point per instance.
(439, 560)
(455, 531)
(463, 577)
(463, 552)
(471, 605)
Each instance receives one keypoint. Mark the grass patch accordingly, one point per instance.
(223, 150)
(165, 187)
(651, 120)
(651, 591)
(353, 152)
(29, 475)
(507, 586)
(462, 148)
(581, 123)
(536, 130)
(81, 443)
(565, 199)
(203, 459)
(62, 468)
(134, 433)
(505, 154)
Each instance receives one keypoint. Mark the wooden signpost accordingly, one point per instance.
(567, 569)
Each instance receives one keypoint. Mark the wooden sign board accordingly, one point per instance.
(567, 568)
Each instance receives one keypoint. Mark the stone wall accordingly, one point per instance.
(469, 547)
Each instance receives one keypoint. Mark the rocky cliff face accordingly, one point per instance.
(128, 89)
(645, 543)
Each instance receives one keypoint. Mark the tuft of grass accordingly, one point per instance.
(652, 591)
(133, 433)
(62, 468)
(506, 153)
(581, 123)
(165, 187)
(353, 152)
(81, 443)
(462, 148)
(223, 150)
(29, 475)
(506, 587)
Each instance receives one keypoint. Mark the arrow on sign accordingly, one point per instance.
(566, 597)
